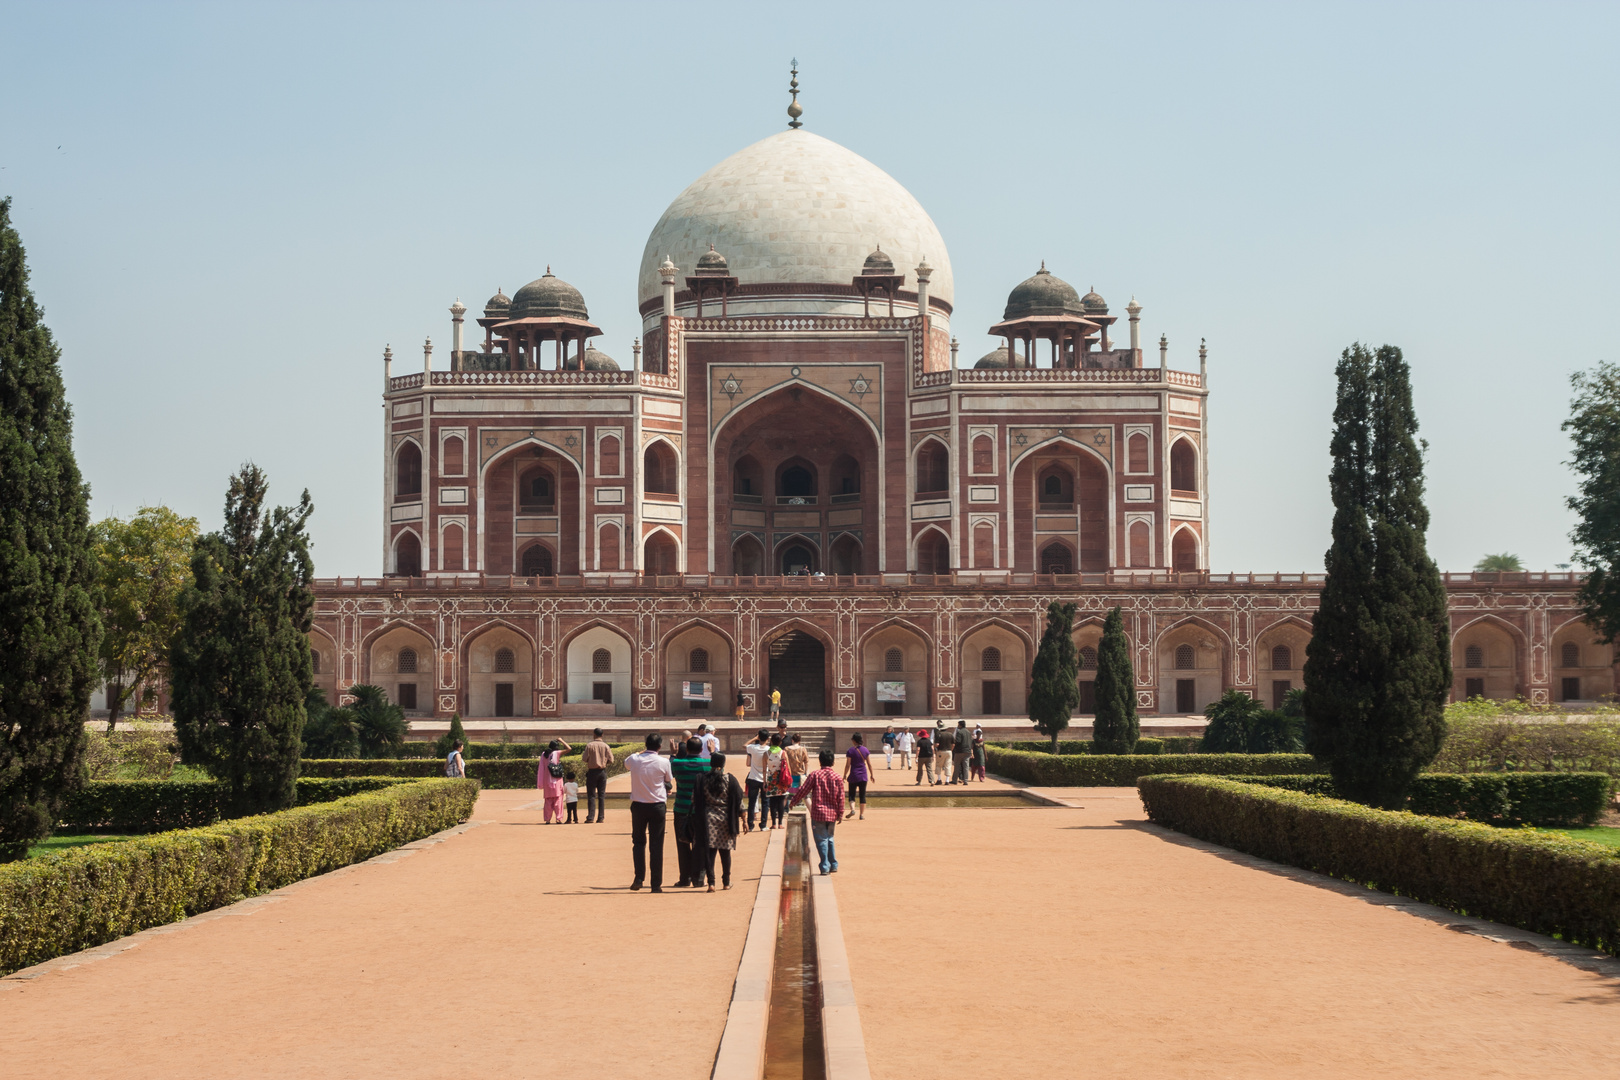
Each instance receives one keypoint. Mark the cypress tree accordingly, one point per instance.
(240, 662)
(456, 734)
(1378, 669)
(1054, 688)
(1115, 729)
(50, 632)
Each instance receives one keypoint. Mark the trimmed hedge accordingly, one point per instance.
(147, 806)
(62, 903)
(1537, 881)
(504, 773)
(1123, 770)
(470, 752)
(1150, 744)
(1556, 800)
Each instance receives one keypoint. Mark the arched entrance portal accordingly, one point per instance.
(798, 668)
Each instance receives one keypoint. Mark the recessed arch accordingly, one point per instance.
(1184, 550)
(1184, 464)
(1085, 490)
(697, 651)
(586, 684)
(660, 468)
(537, 560)
(931, 552)
(796, 477)
(660, 553)
(407, 470)
(1187, 690)
(932, 464)
(844, 556)
(1499, 648)
(498, 660)
(748, 556)
(1001, 689)
(497, 511)
(796, 656)
(327, 669)
(797, 554)
(895, 652)
(411, 689)
(1056, 556)
(407, 554)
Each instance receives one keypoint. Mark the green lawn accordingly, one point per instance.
(1597, 834)
(62, 843)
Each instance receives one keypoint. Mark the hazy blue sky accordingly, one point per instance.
(229, 210)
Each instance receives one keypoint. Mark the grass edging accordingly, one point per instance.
(60, 904)
(1123, 770)
(1536, 881)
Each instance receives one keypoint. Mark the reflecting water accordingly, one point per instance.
(793, 1031)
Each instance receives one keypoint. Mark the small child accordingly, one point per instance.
(571, 796)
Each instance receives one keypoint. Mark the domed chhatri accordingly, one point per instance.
(596, 360)
(995, 358)
(712, 262)
(499, 304)
(1094, 304)
(1043, 294)
(878, 263)
(799, 210)
(548, 297)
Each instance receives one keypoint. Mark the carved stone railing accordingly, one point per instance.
(780, 323)
(1081, 375)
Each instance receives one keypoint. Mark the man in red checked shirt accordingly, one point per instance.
(825, 788)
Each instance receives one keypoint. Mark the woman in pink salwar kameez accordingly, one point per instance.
(551, 787)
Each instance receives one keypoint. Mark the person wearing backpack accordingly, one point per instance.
(454, 766)
(549, 779)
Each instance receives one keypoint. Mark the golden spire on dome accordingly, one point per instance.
(795, 110)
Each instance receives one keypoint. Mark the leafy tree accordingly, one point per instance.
(49, 630)
(1594, 428)
(240, 663)
(1499, 564)
(379, 724)
(1231, 721)
(456, 734)
(1378, 668)
(328, 732)
(1115, 729)
(1054, 688)
(143, 564)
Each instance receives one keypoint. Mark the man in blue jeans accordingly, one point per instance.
(825, 789)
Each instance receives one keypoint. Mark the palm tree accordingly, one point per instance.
(1496, 564)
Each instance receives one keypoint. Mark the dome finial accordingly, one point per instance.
(795, 110)
(1043, 269)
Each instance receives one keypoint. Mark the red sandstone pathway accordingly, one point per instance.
(1079, 943)
(489, 955)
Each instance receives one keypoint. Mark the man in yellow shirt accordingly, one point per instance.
(776, 703)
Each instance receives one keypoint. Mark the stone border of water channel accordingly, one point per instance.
(742, 1045)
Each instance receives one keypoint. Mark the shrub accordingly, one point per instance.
(1508, 736)
(146, 806)
(1537, 881)
(504, 773)
(1162, 744)
(469, 751)
(139, 751)
(446, 742)
(1238, 724)
(1554, 800)
(62, 903)
(1123, 770)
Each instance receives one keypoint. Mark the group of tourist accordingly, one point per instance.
(944, 755)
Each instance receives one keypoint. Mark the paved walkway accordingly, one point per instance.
(490, 954)
(1040, 943)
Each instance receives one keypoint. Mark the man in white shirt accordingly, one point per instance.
(710, 741)
(904, 747)
(756, 774)
(650, 781)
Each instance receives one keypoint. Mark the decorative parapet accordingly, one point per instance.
(1082, 375)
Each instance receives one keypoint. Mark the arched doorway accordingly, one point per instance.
(845, 557)
(748, 557)
(659, 555)
(797, 557)
(798, 668)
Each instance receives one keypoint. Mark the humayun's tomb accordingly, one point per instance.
(795, 481)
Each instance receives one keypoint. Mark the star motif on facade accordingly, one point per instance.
(1020, 438)
(860, 386)
(731, 386)
(490, 441)
(1100, 439)
(570, 442)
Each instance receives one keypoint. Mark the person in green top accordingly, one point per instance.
(688, 768)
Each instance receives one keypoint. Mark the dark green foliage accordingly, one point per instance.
(468, 750)
(457, 734)
(1163, 744)
(1054, 688)
(1238, 724)
(1115, 729)
(379, 724)
(1543, 882)
(328, 732)
(240, 664)
(1123, 770)
(1554, 800)
(147, 806)
(1294, 702)
(1594, 428)
(1378, 668)
(62, 903)
(50, 633)
(492, 772)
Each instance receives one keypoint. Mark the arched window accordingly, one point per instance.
(1137, 454)
(1184, 552)
(991, 661)
(537, 561)
(747, 557)
(846, 476)
(1056, 558)
(659, 555)
(1141, 544)
(845, 556)
(1282, 658)
(450, 548)
(659, 471)
(452, 456)
(933, 468)
(984, 454)
(314, 662)
(601, 662)
(608, 543)
(1183, 466)
(1052, 488)
(1572, 654)
(1088, 659)
(1184, 657)
(797, 559)
(984, 545)
(933, 554)
(408, 471)
(505, 661)
(894, 660)
(536, 493)
(1473, 656)
(745, 478)
(407, 661)
(796, 482)
(698, 661)
(608, 455)
(408, 556)
(1056, 485)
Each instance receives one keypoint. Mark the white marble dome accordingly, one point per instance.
(798, 209)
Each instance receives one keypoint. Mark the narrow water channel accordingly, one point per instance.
(793, 1030)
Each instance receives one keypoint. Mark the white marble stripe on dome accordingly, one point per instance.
(796, 208)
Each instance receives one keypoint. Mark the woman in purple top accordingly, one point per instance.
(857, 771)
